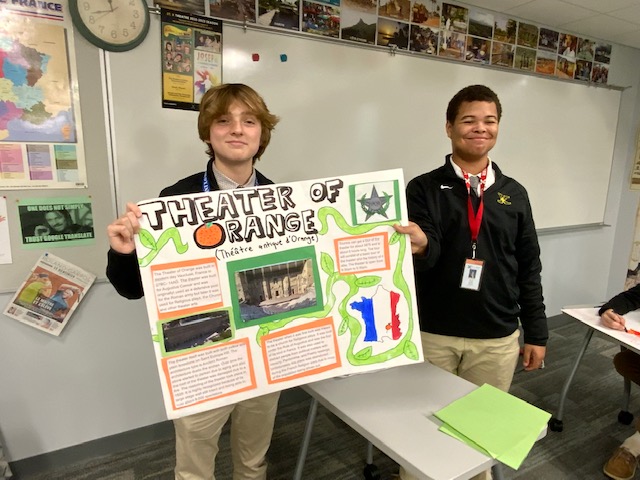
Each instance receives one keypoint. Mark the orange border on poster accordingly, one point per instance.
(385, 242)
(186, 311)
(244, 341)
(307, 326)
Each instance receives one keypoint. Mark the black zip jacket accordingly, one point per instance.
(510, 287)
(624, 302)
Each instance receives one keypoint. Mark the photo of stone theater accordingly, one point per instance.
(273, 289)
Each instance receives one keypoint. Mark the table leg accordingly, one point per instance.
(496, 472)
(306, 438)
(555, 424)
(624, 415)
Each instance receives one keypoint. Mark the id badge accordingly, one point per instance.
(472, 274)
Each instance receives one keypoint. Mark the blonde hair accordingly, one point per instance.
(216, 102)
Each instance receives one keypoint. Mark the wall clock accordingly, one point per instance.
(114, 25)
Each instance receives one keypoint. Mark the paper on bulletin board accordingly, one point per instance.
(255, 290)
(41, 142)
(191, 58)
(5, 240)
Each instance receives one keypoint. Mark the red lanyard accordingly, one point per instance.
(475, 218)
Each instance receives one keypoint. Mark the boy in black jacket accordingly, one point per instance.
(236, 125)
(476, 254)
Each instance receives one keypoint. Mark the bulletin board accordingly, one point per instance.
(91, 255)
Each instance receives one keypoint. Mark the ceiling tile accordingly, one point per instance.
(630, 14)
(496, 5)
(551, 12)
(600, 6)
(600, 27)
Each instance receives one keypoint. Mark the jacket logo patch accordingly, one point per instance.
(503, 199)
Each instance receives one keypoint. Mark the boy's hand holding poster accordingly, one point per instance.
(255, 290)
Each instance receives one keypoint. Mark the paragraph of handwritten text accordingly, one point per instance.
(300, 353)
(364, 253)
(186, 287)
(209, 374)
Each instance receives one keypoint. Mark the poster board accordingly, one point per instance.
(254, 290)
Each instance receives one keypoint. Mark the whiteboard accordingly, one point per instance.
(346, 110)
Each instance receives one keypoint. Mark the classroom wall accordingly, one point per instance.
(99, 378)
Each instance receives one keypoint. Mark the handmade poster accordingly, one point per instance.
(41, 144)
(191, 58)
(50, 294)
(55, 222)
(255, 290)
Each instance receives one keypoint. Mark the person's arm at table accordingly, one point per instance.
(611, 313)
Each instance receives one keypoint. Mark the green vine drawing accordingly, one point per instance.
(147, 240)
(349, 324)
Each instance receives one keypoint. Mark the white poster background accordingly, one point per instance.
(260, 289)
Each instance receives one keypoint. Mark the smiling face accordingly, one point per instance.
(473, 133)
(235, 136)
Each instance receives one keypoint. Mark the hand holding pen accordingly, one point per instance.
(612, 320)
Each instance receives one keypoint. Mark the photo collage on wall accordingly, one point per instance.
(430, 27)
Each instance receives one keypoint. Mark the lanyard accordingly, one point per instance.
(475, 218)
(206, 186)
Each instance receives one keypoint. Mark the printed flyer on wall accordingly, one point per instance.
(50, 294)
(191, 58)
(56, 222)
(255, 290)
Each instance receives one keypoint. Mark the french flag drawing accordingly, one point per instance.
(379, 315)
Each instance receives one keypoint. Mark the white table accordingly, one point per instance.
(589, 317)
(393, 409)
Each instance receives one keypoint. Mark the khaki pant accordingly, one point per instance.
(251, 429)
(479, 361)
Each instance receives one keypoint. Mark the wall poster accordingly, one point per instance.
(56, 222)
(191, 58)
(41, 143)
(255, 290)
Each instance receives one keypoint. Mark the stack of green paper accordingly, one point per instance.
(495, 423)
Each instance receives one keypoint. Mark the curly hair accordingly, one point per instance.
(472, 93)
(216, 102)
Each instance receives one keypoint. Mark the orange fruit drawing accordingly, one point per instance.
(209, 235)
